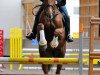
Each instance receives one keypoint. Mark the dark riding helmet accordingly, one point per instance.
(60, 2)
(41, 0)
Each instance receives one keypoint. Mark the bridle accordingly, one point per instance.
(46, 13)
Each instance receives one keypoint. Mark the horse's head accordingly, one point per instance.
(49, 9)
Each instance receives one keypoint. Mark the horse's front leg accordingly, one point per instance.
(57, 33)
(42, 45)
(54, 43)
(42, 40)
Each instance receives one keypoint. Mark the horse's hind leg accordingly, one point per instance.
(59, 66)
(43, 53)
(45, 68)
(62, 54)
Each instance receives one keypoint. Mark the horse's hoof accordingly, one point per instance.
(54, 45)
(42, 43)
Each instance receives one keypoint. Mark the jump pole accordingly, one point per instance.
(40, 60)
(67, 50)
(67, 54)
(80, 49)
(54, 68)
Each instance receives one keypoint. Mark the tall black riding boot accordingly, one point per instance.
(32, 35)
(68, 37)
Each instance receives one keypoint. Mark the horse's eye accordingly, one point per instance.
(49, 16)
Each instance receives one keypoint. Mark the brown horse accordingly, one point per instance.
(51, 34)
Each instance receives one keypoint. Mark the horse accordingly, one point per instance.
(51, 35)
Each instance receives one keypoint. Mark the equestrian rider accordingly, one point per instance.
(62, 8)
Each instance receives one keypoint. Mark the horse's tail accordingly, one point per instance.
(49, 67)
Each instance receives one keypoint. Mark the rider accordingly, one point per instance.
(62, 8)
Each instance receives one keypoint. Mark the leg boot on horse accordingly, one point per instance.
(32, 35)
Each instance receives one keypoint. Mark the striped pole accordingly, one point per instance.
(41, 60)
(34, 55)
(67, 50)
(54, 68)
